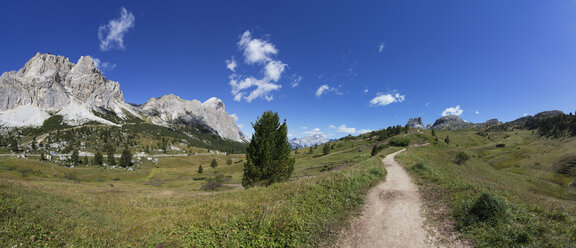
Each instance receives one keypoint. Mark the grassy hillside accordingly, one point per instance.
(138, 136)
(44, 204)
(530, 200)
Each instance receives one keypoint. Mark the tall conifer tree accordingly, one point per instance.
(268, 157)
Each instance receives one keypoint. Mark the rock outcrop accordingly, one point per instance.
(172, 110)
(450, 122)
(416, 123)
(453, 122)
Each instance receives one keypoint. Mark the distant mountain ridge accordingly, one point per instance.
(449, 122)
(309, 141)
(454, 122)
(50, 85)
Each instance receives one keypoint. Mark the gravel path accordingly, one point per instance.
(392, 216)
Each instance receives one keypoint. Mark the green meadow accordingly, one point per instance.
(46, 204)
(520, 171)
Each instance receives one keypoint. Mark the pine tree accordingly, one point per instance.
(310, 150)
(85, 160)
(125, 158)
(213, 164)
(42, 158)
(447, 140)
(98, 158)
(111, 160)
(74, 158)
(433, 132)
(200, 169)
(326, 149)
(375, 150)
(268, 157)
(14, 145)
(229, 161)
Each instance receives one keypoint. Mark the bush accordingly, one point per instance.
(214, 183)
(399, 142)
(420, 166)
(488, 208)
(461, 158)
(377, 148)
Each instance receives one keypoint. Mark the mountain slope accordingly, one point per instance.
(50, 85)
(171, 110)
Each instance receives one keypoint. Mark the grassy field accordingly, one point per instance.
(45, 204)
(536, 204)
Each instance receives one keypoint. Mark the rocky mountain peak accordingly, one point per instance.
(214, 103)
(45, 65)
(451, 122)
(51, 83)
(416, 123)
(173, 110)
(548, 114)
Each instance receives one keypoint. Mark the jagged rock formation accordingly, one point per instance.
(308, 141)
(416, 123)
(211, 114)
(48, 84)
(52, 85)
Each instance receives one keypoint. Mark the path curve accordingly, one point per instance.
(392, 215)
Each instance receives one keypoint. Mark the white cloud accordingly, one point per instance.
(241, 126)
(385, 99)
(103, 65)
(304, 127)
(350, 130)
(426, 105)
(525, 114)
(112, 34)
(366, 91)
(322, 89)
(477, 112)
(381, 47)
(291, 133)
(231, 64)
(235, 117)
(256, 51)
(313, 132)
(363, 131)
(453, 111)
(296, 81)
(345, 129)
(274, 69)
(263, 88)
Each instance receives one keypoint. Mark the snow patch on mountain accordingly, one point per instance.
(76, 114)
(24, 115)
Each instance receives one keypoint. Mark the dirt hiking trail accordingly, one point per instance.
(392, 215)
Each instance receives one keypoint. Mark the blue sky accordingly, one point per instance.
(358, 65)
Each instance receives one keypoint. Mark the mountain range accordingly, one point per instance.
(49, 85)
(308, 141)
